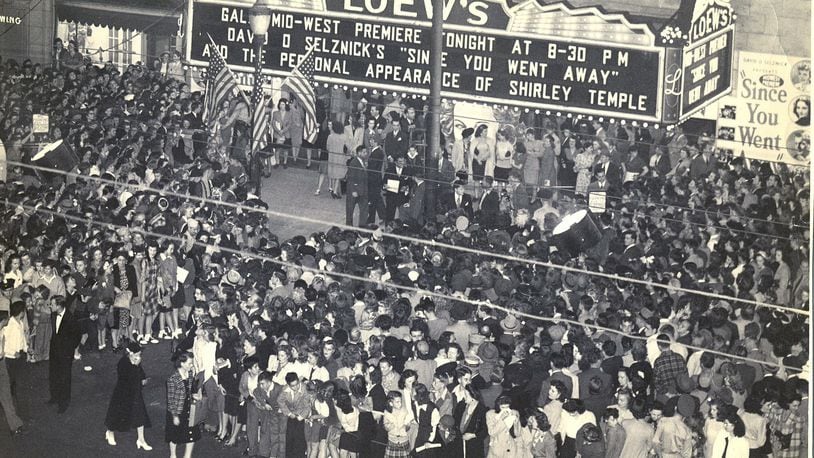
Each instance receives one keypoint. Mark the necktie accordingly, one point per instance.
(465, 419)
(457, 200)
(726, 446)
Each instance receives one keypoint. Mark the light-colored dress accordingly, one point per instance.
(337, 159)
(582, 164)
(531, 168)
(41, 322)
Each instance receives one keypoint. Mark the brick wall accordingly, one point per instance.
(32, 37)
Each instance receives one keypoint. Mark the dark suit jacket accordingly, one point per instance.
(356, 177)
(396, 145)
(663, 165)
(700, 168)
(65, 340)
(375, 164)
(632, 253)
(601, 250)
(614, 174)
(476, 425)
(585, 377)
(415, 212)
(595, 186)
(489, 210)
(448, 203)
(194, 120)
(405, 182)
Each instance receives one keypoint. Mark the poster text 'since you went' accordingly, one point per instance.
(531, 72)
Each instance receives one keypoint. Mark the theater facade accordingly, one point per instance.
(541, 56)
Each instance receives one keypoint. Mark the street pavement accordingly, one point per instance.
(292, 191)
(80, 432)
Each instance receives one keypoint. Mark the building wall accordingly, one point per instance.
(767, 26)
(32, 37)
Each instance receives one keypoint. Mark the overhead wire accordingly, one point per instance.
(582, 206)
(430, 243)
(249, 255)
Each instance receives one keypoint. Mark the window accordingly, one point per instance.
(113, 44)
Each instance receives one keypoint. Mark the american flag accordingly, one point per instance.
(301, 83)
(220, 84)
(260, 121)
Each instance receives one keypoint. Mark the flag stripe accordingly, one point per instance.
(259, 114)
(301, 83)
(220, 84)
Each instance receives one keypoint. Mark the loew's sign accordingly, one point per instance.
(486, 64)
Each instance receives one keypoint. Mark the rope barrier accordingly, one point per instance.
(250, 255)
(436, 245)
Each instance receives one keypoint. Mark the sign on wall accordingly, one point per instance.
(769, 117)
(355, 44)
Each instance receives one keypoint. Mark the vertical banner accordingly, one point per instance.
(769, 118)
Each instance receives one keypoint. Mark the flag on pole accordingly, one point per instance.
(220, 84)
(301, 83)
(260, 121)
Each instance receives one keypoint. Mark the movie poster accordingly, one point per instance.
(769, 115)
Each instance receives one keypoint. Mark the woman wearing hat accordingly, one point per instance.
(126, 409)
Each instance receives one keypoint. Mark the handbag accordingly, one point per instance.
(198, 410)
(123, 299)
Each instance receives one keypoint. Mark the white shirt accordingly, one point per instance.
(59, 320)
(14, 340)
(738, 447)
(570, 425)
(251, 383)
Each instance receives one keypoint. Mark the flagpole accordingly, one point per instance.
(231, 73)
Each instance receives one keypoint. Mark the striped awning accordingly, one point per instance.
(153, 16)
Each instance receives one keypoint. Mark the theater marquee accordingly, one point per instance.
(552, 57)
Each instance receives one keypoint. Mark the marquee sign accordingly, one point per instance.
(552, 57)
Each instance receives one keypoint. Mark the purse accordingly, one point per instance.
(123, 299)
(198, 410)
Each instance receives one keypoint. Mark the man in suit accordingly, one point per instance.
(632, 251)
(375, 167)
(397, 187)
(702, 163)
(519, 193)
(194, 116)
(600, 251)
(459, 200)
(614, 171)
(600, 184)
(414, 210)
(357, 186)
(489, 206)
(63, 344)
(659, 162)
(397, 141)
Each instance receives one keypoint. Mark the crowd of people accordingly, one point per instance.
(405, 337)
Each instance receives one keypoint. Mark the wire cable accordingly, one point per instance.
(435, 244)
(488, 304)
(583, 206)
